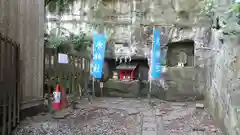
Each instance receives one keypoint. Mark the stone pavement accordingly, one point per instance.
(118, 116)
(158, 117)
(150, 123)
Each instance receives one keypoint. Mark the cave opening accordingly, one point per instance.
(180, 54)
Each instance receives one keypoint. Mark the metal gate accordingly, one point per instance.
(9, 96)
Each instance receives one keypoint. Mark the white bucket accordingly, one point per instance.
(57, 97)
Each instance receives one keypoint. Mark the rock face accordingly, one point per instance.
(223, 72)
(223, 81)
(176, 82)
(188, 81)
(133, 21)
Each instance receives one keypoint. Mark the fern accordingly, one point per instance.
(55, 42)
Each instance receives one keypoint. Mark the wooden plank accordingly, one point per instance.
(22, 40)
(15, 101)
(28, 91)
(30, 36)
(9, 65)
(33, 91)
(4, 116)
(5, 95)
(14, 85)
(12, 20)
(10, 109)
(40, 50)
(16, 13)
(18, 85)
(1, 15)
(10, 88)
(1, 60)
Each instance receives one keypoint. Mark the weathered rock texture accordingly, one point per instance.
(188, 81)
(177, 81)
(132, 21)
(223, 73)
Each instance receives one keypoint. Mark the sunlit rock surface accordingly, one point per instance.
(133, 21)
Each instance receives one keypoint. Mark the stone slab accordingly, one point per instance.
(149, 132)
(149, 125)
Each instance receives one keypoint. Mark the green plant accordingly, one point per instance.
(232, 20)
(55, 42)
(208, 8)
(58, 6)
(63, 39)
(81, 42)
(236, 8)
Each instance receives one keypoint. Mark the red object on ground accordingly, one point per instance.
(55, 105)
(63, 101)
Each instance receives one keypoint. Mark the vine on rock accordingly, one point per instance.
(229, 20)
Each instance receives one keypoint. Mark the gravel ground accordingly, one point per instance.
(89, 121)
(187, 120)
(116, 116)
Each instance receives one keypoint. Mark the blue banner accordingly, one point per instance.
(99, 45)
(156, 55)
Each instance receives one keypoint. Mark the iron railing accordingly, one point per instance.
(9, 82)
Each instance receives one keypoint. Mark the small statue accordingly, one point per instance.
(182, 59)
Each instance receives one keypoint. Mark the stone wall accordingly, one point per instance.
(223, 81)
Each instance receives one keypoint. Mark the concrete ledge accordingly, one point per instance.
(31, 103)
(32, 111)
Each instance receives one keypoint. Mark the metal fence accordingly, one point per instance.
(74, 75)
(9, 97)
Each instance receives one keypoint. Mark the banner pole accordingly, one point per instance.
(93, 87)
(150, 81)
(150, 89)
